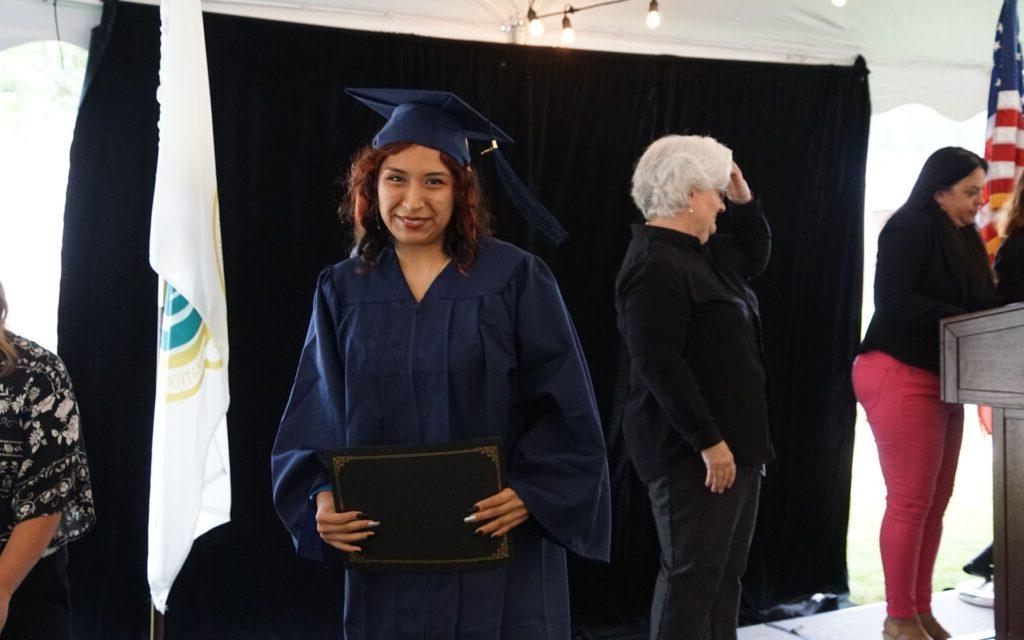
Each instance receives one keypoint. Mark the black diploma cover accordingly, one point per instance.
(420, 495)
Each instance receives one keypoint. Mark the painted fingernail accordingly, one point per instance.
(469, 519)
(473, 509)
(372, 524)
(478, 532)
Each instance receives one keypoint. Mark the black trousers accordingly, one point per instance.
(705, 538)
(41, 608)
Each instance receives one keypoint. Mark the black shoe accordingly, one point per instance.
(982, 565)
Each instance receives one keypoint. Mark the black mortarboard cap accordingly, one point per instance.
(436, 119)
(443, 121)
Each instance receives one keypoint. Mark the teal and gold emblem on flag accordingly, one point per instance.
(187, 349)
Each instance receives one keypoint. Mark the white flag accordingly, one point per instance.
(190, 483)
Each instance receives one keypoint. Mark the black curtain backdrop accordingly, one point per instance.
(284, 131)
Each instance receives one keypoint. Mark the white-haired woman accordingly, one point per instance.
(696, 419)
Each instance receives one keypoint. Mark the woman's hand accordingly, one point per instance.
(721, 467)
(738, 190)
(341, 530)
(504, 510)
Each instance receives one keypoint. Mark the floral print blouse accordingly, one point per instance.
(43, 467)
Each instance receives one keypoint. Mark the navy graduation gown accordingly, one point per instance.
(488, 352)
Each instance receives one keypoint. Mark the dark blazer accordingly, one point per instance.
(1010, 268)
(927, 270)
(693, 331)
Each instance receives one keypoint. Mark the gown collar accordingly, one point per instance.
(392, 272)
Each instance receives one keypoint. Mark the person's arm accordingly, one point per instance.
(751, 238)
(27, 543)
(52, 486)
(902, 251)
(655, 315)
(313, 421)
(557, 467)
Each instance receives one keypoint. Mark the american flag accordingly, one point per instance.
(1004, 138)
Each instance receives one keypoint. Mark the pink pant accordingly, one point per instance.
(918, 438)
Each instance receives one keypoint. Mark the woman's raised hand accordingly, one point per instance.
(738, 190)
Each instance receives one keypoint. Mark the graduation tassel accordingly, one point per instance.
(527, 203)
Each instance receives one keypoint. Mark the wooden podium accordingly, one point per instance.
(983, 363)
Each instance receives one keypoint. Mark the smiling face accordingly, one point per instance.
(416, 196)
(962, 201)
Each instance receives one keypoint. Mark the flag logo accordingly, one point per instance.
(186, 347)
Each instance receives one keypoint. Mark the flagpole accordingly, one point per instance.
(156, 623)
(156, 619)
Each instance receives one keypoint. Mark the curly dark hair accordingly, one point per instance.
(360, 208)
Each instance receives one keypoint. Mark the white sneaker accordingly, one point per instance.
(977, 591)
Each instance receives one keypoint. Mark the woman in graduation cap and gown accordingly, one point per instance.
(436, 332)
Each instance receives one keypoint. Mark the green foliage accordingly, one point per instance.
(41, 79)
(40, 85)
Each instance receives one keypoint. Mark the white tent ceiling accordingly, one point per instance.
(933, 52)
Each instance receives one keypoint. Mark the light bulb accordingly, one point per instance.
(568, 35)
(653, 20)
(838, 3)
(536, 27)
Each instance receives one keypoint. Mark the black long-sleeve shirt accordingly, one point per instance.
(1010, 269)
(924, 273)
(693, 331)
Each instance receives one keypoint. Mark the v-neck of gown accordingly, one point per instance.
(436, 287)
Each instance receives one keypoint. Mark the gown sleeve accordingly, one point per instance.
(313, 420)
(558, 466)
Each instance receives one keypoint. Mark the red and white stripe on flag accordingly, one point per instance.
(1004, 138)
(1004, 150)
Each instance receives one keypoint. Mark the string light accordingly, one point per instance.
(653, 20)
(536, 28)
(568, 35)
